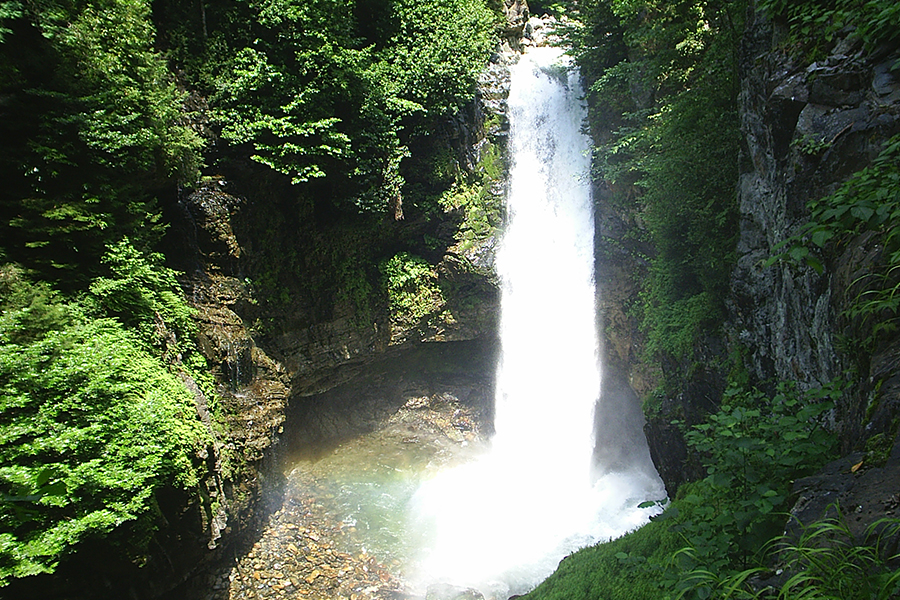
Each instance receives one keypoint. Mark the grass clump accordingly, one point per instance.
(616, 570)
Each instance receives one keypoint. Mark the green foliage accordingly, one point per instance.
(437, 50)
(823, 561)
(8, 12)
(131, 108)
(811, 145)
(276, 102)
(93, 123)
(752, 448)
(27, 310)
(826, 561)
(143, 294)
(663, 87)
(811, 23)
(329, 89)
(412, 289)
(674, 326)
(91, 426)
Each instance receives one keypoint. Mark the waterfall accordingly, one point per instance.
(502, 523)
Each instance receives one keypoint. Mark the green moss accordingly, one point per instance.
(491, 163)
(355, 288)
(878, 449)
(651, 403)
(472, 195)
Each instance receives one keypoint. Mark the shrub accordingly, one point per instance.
(412, 289)
(143, 294)
(92, 425)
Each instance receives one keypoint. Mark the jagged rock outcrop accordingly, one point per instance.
(517, 13)
(808, 127)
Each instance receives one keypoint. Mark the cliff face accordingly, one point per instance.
(807, 127)
(306, 338)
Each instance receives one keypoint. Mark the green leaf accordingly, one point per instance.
(820, 236)
(817, 266)
(798, 253)
(862, 212)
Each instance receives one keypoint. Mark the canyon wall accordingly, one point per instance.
(807, 125)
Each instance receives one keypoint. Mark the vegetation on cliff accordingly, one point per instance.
(663, 85)
(110, 111)
(94, 419)
(329, 88)
(867, 203)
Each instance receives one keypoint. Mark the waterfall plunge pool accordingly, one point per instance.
(351, 525)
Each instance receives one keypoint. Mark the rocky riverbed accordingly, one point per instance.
(342, 528)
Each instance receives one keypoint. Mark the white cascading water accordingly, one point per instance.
(502, 523)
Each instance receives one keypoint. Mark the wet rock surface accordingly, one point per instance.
(301, 554)
(461, 369)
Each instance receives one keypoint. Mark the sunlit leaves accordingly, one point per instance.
(316, 94)
(434, 56)
(672, 154)
(143, 293)
(412, 289)
(128, 107)
(8, 11)
(90, 427)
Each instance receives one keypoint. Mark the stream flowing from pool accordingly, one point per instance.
(426, 502)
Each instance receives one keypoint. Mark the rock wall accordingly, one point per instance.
(808, 126)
